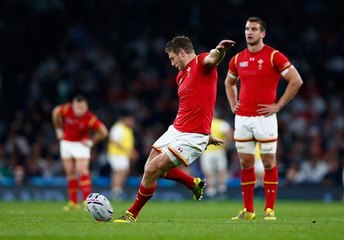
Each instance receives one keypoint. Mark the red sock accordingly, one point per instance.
(142, 197)
(248, 181)
(270, 187)
(85, 186)
(178, 175)
(72, 186)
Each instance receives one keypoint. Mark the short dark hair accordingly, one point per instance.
(259, 21)
(179, 42)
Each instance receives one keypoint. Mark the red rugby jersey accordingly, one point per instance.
(259, 74)
(76, 129)
(197, 97)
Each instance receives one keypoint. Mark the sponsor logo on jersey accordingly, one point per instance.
(243, 64)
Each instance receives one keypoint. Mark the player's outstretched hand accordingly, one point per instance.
(224, 45)
(87, 142)
(215, 141)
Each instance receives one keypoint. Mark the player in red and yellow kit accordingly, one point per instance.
(73, 123)
(259, 68)
(187, 138)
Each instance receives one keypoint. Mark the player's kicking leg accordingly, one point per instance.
(196, 185)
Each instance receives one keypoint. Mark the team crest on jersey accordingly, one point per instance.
(243, 64)
(260, 64)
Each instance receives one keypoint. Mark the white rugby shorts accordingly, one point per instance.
(257, 128)
(181, 148)
(119, 162)
(69, 149)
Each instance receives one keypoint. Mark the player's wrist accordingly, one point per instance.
(220, 49)
(59, 133)
(279, 107)
(89, 143)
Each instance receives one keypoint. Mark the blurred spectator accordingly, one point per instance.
(5, 169)
(17, 142)
(313, 169)
(50, 168)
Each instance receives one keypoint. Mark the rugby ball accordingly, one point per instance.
(99, 207)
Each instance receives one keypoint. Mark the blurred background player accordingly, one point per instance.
(73, 123)
(214, 159)
(120, 152)
(259, 68)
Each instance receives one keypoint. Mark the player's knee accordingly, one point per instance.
(269, 161)
(70, 172)
(151, 174)
(268, 153)
(246, 163)
(246, 147)
(269, 165)
(150, 170)
(83, 171)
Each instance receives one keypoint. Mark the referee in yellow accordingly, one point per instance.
(120, 152)
(214, 160)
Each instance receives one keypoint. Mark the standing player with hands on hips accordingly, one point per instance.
(187, 138)
(259, 68)
(73, 123)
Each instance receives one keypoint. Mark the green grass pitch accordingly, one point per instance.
(174, 220)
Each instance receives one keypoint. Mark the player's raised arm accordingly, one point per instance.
(217, 54)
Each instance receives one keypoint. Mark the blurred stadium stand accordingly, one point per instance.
(113, 53)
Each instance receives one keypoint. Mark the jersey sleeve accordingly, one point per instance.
(200, 62)
(232, 66)
(63, 108)
(94, 123)
(200, 59)
(280, 61)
